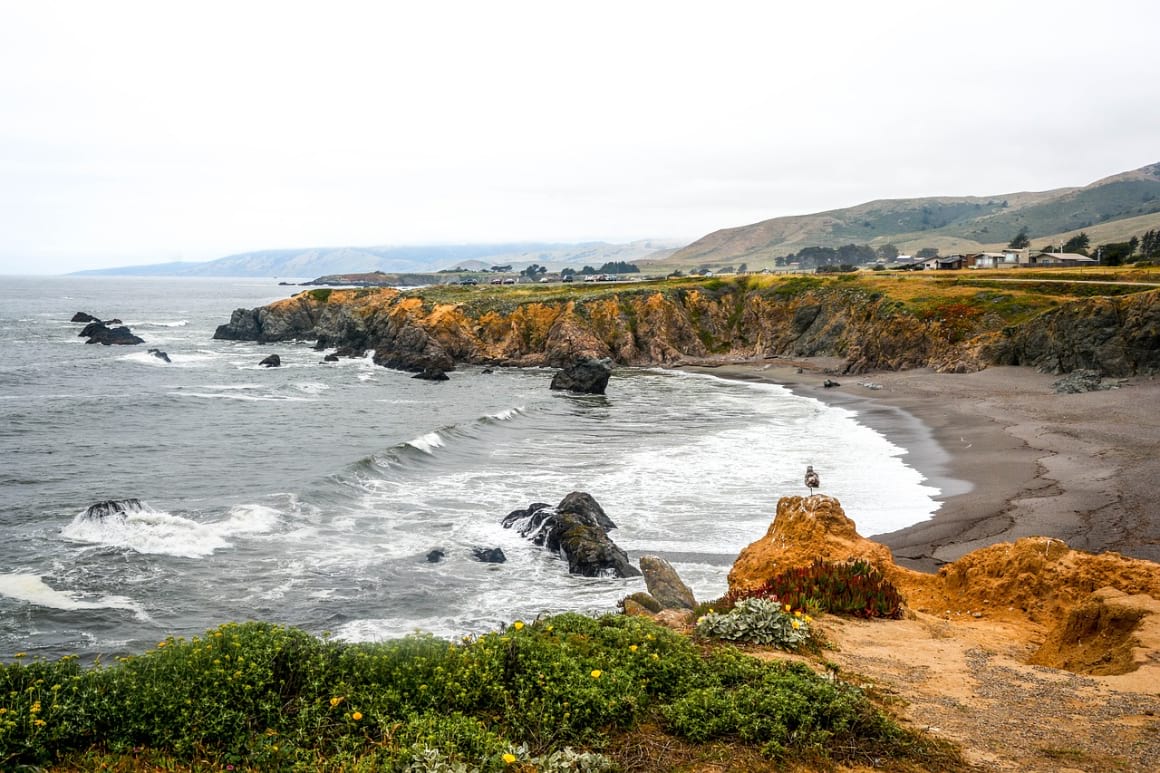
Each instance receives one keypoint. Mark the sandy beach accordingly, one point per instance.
(1011, 457)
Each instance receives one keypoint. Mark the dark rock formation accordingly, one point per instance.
(1082, 381)
(1117, 336)
(435, 556)
(114, 507)
(665, 585)
(432, 374)
(273, 361)
(577, 529)
(489, 555)
(332, 357)
(830, 383)
(83, 316)
(100, 333)
(586, 377)
(160, 355)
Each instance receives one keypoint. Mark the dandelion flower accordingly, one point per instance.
(509, 758)
(518, 624)
(356, 716)
(632, 648)
(596, 673)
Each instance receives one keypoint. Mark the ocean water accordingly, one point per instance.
(311, 494)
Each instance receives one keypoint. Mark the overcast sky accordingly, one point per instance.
(146, 132)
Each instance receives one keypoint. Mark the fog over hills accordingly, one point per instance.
(318, 261)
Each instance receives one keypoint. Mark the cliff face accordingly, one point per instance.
(1120, 336)
(1117, 336)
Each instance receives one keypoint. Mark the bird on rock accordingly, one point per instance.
(812, 480)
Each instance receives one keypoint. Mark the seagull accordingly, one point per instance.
(812, 481)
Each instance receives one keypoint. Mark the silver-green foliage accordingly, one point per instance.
(757, 620)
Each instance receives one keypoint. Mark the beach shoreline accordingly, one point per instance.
(1010, 456)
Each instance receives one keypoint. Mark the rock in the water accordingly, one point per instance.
(435, 556)
(100, 333)
(585, 377)
(830, 383)
(578, 529)
(332, 357)
(489, 555)
(432, 374)
(83, 316)
(160, 355)
(114, 507)
(273, 361)
(665, 585)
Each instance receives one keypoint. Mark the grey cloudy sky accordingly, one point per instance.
(143, 132)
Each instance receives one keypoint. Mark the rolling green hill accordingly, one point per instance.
(1112, 209)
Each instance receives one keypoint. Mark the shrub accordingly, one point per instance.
(847, 588)
(760, 621)
(549, 694)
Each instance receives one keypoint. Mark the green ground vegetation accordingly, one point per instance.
(567, 692)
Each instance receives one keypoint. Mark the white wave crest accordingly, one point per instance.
(159, 533)
(507, 415)
(32, 588)
(427, 443)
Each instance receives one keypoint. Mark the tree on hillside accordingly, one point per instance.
(1150, 244)
(886, 252)
(501, 269)
(927, 252)
(1117, 253)
(1077, 243)
(534, 270)
(1020, 241)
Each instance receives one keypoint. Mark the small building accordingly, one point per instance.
(1005, 259)
(947, 263)
(1064, 259)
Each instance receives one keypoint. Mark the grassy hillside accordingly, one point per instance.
(1112, 209)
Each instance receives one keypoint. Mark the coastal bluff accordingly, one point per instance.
(659, 324)
(1015, 652)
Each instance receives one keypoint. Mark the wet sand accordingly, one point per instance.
(1011, 457)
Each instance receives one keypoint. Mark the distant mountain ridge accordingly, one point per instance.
(951, 223)
(318, 261)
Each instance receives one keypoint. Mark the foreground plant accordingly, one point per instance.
(548, 695)
(759, 621)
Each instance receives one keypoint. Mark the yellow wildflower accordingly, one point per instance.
(656, 656)
(632, 648)
(596, 673)
(356, 716)
(518, 624)
(788, 607)
(797, 613)
(335, 701)
(509, 758)
(795, 624)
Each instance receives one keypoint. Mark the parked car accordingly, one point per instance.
(497, 281)
(568, 278)
(511, 280)
(469, 281)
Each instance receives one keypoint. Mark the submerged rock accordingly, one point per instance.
(273, 361)
(489, 555)
(432, 374)
(83, 316)
(160, 355)
(114, 507)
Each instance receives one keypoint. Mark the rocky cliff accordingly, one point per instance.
(662, 325)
